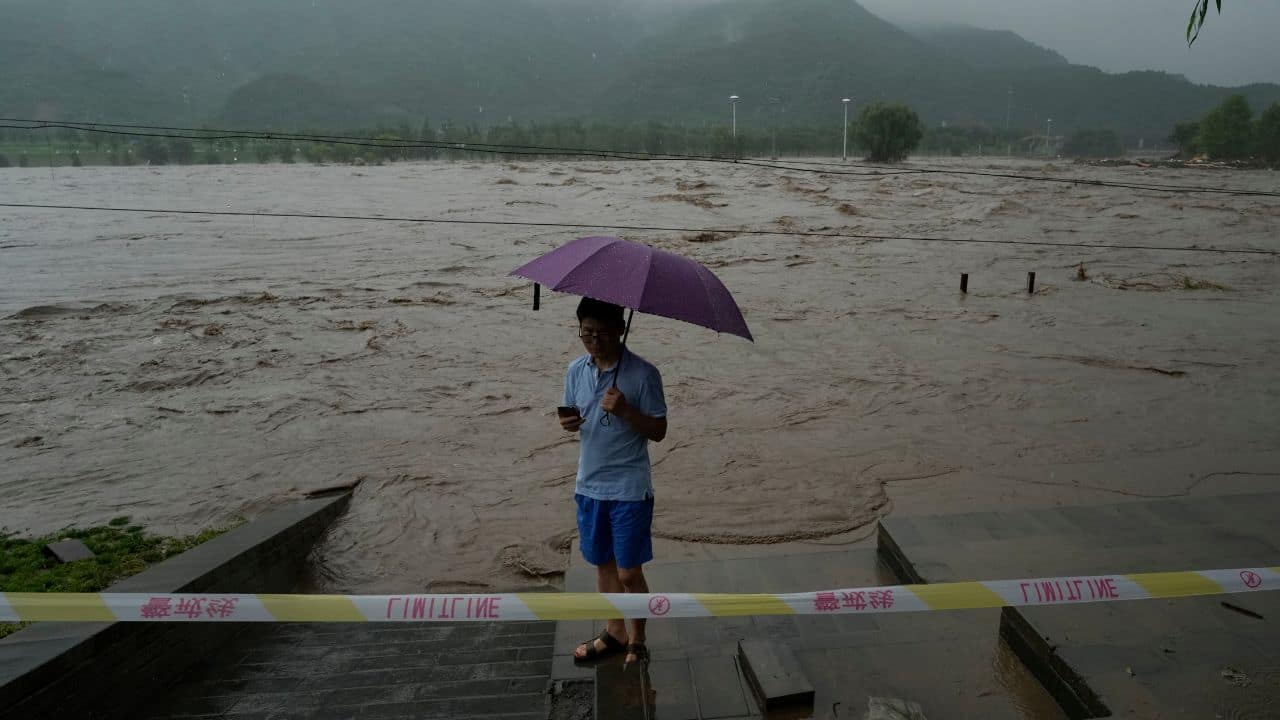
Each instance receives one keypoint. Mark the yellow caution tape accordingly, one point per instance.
(506, 607)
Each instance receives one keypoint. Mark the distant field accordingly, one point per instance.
(39, 155)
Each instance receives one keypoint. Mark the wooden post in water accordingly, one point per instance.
(1031, 283)
(964, 283)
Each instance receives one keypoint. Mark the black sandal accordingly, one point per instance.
(640, 651)
(611, 647)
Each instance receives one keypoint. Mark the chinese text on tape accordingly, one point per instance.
(232, 607)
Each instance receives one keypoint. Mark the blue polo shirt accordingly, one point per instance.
(613, 462)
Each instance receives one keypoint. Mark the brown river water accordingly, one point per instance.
(186, 370)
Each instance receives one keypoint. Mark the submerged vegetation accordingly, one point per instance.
(120, 550)
(889, 132)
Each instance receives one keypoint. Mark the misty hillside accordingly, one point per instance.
(788, 60)
(986, 49)
(385, 59)
(341, 64)
(792, 60)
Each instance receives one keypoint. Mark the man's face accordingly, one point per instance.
(601, 339)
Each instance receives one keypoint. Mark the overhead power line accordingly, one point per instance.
(208, 134)
(454, 145)
(648, 228)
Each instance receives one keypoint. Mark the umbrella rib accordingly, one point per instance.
(710, 301)
(645, 287)
(579, 265)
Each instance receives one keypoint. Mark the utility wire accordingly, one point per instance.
(651, 228)
(534, 150)
(542, 150)
(539, 150)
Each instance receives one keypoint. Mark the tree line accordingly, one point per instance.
(1229, 132)
(880, 132)
(883, 132)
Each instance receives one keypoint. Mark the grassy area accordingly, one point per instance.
(37, 154)
(121, 550)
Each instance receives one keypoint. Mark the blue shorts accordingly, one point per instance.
(615, 530)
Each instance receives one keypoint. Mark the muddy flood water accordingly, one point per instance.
(186, 370)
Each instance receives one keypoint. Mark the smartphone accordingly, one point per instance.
(567, 411)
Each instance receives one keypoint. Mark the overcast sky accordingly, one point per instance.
(1238, 47)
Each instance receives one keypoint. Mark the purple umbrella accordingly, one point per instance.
(641, 278)
(638, 277)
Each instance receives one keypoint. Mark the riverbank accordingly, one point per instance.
(120, 550)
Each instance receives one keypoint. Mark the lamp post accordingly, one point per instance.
(844, 145)
(1008, 113)
(776, 102)
(1048, 133)
(733, 107)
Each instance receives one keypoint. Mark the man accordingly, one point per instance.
(619, 398)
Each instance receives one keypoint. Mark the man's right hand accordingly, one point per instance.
(572, 423)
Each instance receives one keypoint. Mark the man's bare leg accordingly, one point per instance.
(633, 581)
(607, 581)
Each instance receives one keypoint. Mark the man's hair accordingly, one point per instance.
(601, 311)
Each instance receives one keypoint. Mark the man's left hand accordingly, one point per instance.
(615, 403)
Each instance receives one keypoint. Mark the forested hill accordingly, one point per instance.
(986, 49)
(341, 64)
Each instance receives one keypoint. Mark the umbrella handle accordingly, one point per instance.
(606, 419)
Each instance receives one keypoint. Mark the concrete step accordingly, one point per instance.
(774, 676)
(1149, 658)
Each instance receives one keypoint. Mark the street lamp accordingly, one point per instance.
(1008, 113)
(733, 105)
(844, 146)
(1048, 133)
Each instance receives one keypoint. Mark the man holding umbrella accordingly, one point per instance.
(621, 409)
(614, 398)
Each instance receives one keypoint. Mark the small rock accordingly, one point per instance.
(69, 550)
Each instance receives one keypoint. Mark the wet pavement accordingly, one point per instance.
(1189, 657)
(952, 663)
(379, 672)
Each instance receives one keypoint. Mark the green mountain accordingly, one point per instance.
(45, 80)
(988, 49)
(792, 61)
(284, 100)
(342, 64)
(387, 60)
(789, 60)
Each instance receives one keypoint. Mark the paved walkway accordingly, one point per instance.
(951, 663)
(374, 672)
(1192, 657)
(1182, 658)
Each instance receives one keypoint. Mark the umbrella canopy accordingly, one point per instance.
(639, 277)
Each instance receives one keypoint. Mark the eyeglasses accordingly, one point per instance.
(587, 335)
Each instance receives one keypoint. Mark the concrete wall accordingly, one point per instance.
(106, 670)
